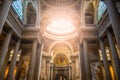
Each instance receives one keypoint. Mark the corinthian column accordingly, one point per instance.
(86, 58)
(114, 19)
(82, 65)
(114, 54)
(4, 50)
(37, 64)
(32, 61)
(4, 9)
(105, 62)
(13, 61)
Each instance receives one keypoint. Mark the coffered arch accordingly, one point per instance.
(60, 49)
(65, 43)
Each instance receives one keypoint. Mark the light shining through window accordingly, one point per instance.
(101, 9)
(17, 6)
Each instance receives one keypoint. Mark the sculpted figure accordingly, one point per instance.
(95, 70)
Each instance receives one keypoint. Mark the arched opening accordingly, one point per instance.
(31, 14)
(89, 14)
(60, 66)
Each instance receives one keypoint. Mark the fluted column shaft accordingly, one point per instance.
(37, 64)
(13, 61)
(114, 19)
(4, 9)
(32, 61)
(105, 62)
(86, 58)
(82, 66)
(114, 54)
(4, 50)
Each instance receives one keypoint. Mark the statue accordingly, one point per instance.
(95, 70)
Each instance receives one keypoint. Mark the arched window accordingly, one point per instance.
(89, 14)
(18, 7)
(101, 9)
(31, 14)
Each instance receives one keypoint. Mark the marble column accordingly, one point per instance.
(37, 64)
(114, 19)
(32, 61)
(41, 59)
(47, 68)
(70, 72)
(20, 66)
(4, 49)
(73, 69)
(114, 55)
(44, 68)
(105, 62)
(13, 61)
(82, 66)
(51, 71)
(5, 65)
(87, 61)
(4, 9)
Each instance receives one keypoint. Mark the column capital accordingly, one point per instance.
(35, 40)
(39, 45)
(81, 45)
(108, 31)
(101, 39)
(85, 39)
(10, 32)
(19, 40)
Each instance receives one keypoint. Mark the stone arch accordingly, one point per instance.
(64, 42)
(67, 49)
(31, 14)
(89, 14)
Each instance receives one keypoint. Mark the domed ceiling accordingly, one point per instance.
(61, 27)
(60, 23)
